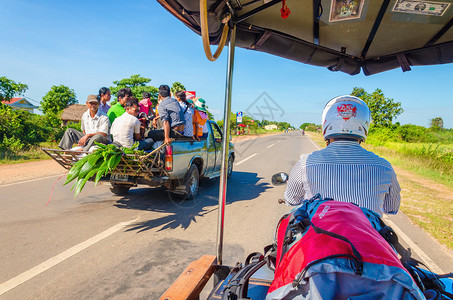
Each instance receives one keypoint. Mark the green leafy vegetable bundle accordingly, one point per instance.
(99, 163)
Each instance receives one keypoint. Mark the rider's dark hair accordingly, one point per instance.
(164, 90)
(102, 92)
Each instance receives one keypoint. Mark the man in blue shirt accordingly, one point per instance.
(344, 170)
(171, 115)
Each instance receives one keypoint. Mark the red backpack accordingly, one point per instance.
(330, 250)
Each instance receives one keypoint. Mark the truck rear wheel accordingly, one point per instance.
(192, 182)
(119, 189)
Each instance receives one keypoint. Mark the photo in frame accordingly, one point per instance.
(343, 10)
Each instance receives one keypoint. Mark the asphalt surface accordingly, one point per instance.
(102, 246)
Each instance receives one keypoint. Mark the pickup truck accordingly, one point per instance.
(178, 167)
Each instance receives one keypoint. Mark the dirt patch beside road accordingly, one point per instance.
(29, 170)
(38, 169)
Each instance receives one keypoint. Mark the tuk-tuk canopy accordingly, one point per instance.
(341, 35)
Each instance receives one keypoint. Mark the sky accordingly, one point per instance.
(86, 45)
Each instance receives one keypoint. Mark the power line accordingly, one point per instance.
(32, 99)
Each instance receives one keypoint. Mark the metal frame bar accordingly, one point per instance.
(440, 33)
(257, 10)
(375, 28)
(225, 145)
(316, 16)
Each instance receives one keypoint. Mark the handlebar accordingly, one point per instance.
(281, 201)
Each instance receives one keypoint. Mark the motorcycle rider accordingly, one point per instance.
(344, 170)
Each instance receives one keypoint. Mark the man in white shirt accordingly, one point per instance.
(344, 170)
(126, 128)
(95, 128)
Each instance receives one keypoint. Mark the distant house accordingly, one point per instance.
(73, 113)
(271, 127)
(20, 103)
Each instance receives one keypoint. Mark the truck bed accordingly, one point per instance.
(146, 166)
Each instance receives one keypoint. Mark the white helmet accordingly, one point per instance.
(346, 117)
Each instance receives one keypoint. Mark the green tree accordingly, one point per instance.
(9, 88)
(232, 123)
(383, 110)
(283, 125)
(264, 123)
(177, 86)
(437, 123)
(19, 129)
(57, 99)
(138, 85)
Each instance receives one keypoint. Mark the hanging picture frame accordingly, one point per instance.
(344, 10)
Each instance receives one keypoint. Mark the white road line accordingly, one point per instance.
(316, 145)
(270, 146)
(245, 159)
(27, 275)
(31, 180)
(428, 261)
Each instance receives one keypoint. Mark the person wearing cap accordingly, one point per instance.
(344, 171)
(171, 115)
(200, 118)
(95, 128)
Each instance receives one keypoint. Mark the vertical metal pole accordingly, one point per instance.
(225, 145)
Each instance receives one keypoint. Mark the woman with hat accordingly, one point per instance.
(199, 119)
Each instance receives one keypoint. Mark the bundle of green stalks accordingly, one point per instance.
(103, 160)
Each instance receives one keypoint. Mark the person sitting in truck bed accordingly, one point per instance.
(127, 128)
(171, 115)
(188, 113)
(146, 106)
(95, 128)
(117, 110)
(200, 119)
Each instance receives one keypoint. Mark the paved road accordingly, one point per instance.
(101, 246)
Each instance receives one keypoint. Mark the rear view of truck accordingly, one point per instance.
(177, 167)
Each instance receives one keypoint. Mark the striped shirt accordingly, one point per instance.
(345, 172)
(188, 117)
(104, 107)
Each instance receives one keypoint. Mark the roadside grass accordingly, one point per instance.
(428, 208)
(32, 154)
(431, 208)
(317, 138)
(428, 160)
